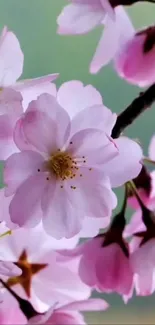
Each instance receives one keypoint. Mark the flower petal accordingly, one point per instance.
(4, 211)
(127, 165)
(49, 105)
(11, 58)
(40, 131)
(92, 195)
(19, 167)
(96, 117)
(120, 29)
(28, 212)
(79, 19)
(74, 97)
(32, 88)
(93, 147)
(87, 305)
(61, 219)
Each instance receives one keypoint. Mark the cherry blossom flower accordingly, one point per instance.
(11, 68)
(80, 17)
(66, 167)
(44, 280)
(142, 230)
(135, 59)
(105, 268)
(15, 96)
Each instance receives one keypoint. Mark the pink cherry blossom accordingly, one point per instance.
(66, 169)
(143, 265)
(48, 281)
(11, 68)
(142, 253)
(10, 110)
(80, 17)
(135, 60)
(105, 268)
(12, 101)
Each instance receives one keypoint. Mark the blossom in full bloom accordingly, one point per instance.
(80, 17)
(45, 280)
(135, 60)
(15, 96)
(66, 166)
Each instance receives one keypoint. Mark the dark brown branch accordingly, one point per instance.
(137, 107)
(24, 305)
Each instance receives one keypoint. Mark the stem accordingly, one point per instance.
(119, 219)
(137, 107)
(148, 160)
(146, 213)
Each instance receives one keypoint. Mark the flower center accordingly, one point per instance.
(62, 165)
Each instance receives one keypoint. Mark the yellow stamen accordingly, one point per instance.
(61, 165)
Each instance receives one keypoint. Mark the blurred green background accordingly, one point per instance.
(34, 22)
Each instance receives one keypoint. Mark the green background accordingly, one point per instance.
(34, 23)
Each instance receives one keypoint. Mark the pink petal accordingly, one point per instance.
(19, 167)
(74, 97)
(91, 226)
(121, 30)
(143, 262)
(11, 104)
(7, 145)
(11, 58)
(4, 211)
(49, 105)
(92, 195)
(127, 164)
(94, 145)
(87, 269)
(97, 117)
(40, 131)
(87, 305)
(10, 110)
(67, 318)
(19, 137)
(113, 270)
(32, 88)
(152, 148)
(61, 219)
(28, 213)
(79, 19)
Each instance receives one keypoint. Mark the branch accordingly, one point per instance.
(138, 106)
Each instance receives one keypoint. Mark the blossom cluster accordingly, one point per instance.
(61, 161)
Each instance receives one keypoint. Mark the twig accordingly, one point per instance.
(137, 107)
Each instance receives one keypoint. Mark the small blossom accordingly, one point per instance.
(66, 165)
(15, 96)
(80, 17)
(135, 60)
